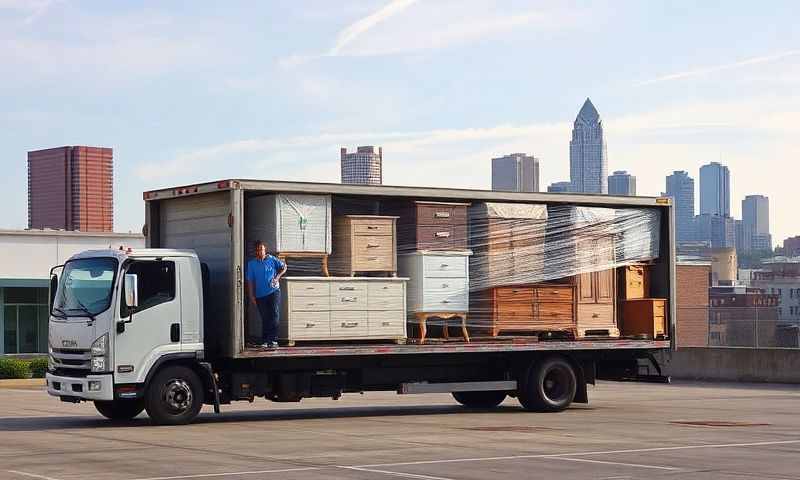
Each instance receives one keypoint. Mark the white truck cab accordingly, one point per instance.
(117, 318)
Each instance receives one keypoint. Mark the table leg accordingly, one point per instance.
(464, 327)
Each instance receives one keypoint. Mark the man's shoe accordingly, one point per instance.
(266, 345)
(273, 345)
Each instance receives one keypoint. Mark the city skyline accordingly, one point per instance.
(184, 98)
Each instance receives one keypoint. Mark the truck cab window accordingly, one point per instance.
(156, 284)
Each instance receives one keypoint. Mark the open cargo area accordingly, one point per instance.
(395, 270)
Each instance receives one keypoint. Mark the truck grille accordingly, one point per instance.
(74, 363)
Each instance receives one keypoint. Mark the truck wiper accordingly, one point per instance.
(84, 310)
(61, 312)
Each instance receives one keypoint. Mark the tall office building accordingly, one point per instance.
(559, 187)
(715, 190)
(71, 188)
(362, 167)
(622, 183)
(680, 186)
(717, 231)
(588, 162)
(755, 224)
(516, 172)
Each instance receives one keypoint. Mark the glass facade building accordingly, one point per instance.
(588, 162)
(516, 172)
(622, 183)
(680, 186)
(362, 167)
(715, 190)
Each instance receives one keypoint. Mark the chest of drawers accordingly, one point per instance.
(508, 244)
(439, 280)
(531, 309)
(644, 316)
(364, 243)
(330, 308)
(431, 225)
(290, 223)
(634, 281)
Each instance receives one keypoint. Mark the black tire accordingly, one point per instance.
(174, 396)
(119, 409)
(548, 386)
(489, 399)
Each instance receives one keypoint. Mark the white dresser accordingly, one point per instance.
(439, 286)
(343, 308)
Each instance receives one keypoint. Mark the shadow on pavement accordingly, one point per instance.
(77, 422)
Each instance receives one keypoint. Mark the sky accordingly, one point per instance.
(186, 92)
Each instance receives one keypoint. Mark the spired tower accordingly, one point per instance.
(588, 161)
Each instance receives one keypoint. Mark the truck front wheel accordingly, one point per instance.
(119, 409)
(548, 386)
(489, 399)
(174, 396)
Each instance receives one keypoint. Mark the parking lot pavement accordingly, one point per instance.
(704, 431)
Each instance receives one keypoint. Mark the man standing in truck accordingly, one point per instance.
(263, 276)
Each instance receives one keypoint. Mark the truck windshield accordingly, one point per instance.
(85, 287)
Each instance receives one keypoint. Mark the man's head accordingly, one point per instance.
(261, 250)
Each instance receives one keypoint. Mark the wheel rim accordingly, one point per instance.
(177, 396)
(556, 384)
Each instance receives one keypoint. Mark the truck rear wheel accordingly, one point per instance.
(548, 386)
(119, 409)
(174, 396)
(489, 399)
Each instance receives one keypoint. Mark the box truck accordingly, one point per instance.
(482, 294)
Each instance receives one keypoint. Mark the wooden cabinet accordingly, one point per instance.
(328, 308)
(531, 309)
(364, 243)
(290, 223)
(597, 290)
(644, 316)
(508, 244)
(634, 282)
(430, 225)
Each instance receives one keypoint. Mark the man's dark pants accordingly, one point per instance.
(269, 308)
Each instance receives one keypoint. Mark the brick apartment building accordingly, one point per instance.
(741, 316)
(691, 303)
(71, 188)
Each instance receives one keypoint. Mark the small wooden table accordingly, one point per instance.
(422, 318)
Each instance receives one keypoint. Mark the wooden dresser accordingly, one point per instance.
(597, 314)
(292, 225)
(644, 316)
(508, 244)
(438, 287)
(634, 281)
(430, 225)
(537, 308)
(364, 243)
(330, 308)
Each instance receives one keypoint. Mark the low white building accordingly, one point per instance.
(781, 276)
(26, 257)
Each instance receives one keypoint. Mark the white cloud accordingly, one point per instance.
(702, 71)
(353, 31)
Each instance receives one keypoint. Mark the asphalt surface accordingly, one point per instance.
(702, 431)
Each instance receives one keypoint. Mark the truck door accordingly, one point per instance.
(154, 327)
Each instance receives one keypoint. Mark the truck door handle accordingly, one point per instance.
(175, 332)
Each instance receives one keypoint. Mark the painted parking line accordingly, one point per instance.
(252, 472)
(397, 474)
(31, 475)
(604, 462)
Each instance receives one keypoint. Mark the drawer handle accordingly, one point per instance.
(444, 265)
(386, 324)
(372, 227)
(372, 259)
(373, 245)
(555, 292)
(349, 299)
(442, 234)
(445, 301)
(385, 287)
(309, 325)
(310, 288)
(594, 315)
(442, 214)
(347, 288)
(445, 285)
(349, 324)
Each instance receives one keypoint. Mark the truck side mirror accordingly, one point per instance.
(131, 290)
(53, 289)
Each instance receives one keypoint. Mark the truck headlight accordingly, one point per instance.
(100, 346)
(98, 364)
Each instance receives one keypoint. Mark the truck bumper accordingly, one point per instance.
(91, 387)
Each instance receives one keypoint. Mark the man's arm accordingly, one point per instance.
(282, 271)
(251, 292)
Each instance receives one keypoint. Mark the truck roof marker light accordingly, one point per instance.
(185, 190)
(149, 195)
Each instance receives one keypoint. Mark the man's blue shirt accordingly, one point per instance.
(261, 273)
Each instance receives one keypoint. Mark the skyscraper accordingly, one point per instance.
(516, 172)
(559, 187)
(680, 186)
(715, 190)
(588, 162)
(755, 224)
(716, 230)
(71, 188)
(362, 167)
(622, 183)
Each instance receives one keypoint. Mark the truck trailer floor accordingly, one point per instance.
(686, 430)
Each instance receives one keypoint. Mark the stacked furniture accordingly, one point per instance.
(433, 239)
(327, 308)
(641, 314)
(439, 287)
(597, 290)
(507, 272)
(364, 244)
(293, 225)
